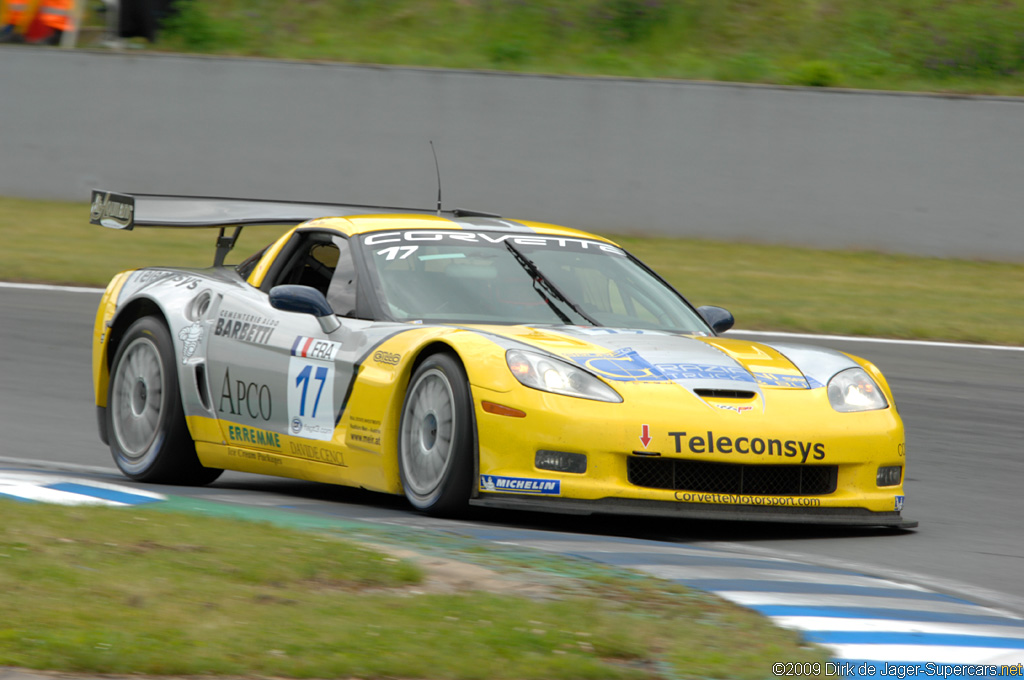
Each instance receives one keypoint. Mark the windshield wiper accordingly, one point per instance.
(540, 281)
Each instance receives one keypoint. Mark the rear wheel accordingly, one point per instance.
(149, 439)
(435, 448)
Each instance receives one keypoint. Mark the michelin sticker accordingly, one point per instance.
(539, 487)
(190, 336)
(899, 503)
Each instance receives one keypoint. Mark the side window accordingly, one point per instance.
(320, 260)
(341, 294)
(310, 260)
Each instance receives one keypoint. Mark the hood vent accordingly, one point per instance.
(724, 394)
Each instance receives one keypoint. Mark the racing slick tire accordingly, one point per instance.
(435, 446)
(149, 439)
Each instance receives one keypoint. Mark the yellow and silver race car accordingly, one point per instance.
(459, 358)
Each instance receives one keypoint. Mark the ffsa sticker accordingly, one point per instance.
(310, 398)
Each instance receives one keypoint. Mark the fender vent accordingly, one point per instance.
(204, 393)
(755, 480)
(725, 394)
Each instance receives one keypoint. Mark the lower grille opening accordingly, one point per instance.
(754, 480)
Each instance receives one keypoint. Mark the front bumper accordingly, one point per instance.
(796, 460)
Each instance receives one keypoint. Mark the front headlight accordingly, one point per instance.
(854, 390)
(543, 372)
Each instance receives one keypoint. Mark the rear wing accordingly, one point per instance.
(127, 211)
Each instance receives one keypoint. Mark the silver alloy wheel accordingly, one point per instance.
(428, 427)
(137, 399)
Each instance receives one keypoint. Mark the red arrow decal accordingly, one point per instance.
(645, 438)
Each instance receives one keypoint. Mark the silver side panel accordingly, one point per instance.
(255, 369)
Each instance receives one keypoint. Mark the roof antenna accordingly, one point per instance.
(438, 168)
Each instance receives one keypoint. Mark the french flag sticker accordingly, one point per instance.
(301, 346)
(314, 348)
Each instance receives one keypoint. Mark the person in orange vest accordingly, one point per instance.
(27, 18)
(12, 12)
(58, 16)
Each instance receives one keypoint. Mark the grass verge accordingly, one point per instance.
(845, 292)
(931, 45)
(766, 287)
(115, 590)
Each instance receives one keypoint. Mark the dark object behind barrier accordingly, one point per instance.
(143, 18)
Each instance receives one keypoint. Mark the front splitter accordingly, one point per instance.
(859, 517)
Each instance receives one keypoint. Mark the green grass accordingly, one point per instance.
(53, 242)
(115, 590)
(932, 45)
(845, 292)
(766, 287)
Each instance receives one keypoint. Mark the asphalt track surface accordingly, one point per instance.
(963, 409)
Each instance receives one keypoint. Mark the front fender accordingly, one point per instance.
(101, 336)
(136, 293)
(373, 413)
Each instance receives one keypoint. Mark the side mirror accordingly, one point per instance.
(719, 319)
(305, 300)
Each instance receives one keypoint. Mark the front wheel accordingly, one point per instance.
(435, 448)
(149, 439)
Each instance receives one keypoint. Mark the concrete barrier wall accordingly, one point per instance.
(892, 172)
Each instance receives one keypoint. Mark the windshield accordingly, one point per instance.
(475, 277)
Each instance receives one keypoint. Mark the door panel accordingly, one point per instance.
(278, 381)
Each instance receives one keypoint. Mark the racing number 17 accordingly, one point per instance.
(303, 380)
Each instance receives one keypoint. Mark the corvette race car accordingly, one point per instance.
(459, 358)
